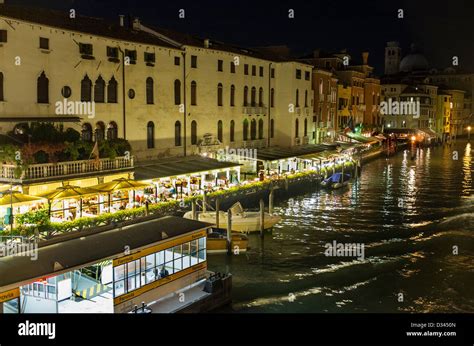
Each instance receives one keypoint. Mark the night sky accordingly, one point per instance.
(440, 30)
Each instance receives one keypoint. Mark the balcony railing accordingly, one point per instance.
(254, 109)
(297, 110)
(254, 143)
(64, 169)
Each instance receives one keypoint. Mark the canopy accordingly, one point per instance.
(120, 184)
(16, 197)
(336, 177)
(69, 191)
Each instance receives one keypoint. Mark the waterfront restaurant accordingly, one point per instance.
(175, 178)
(91, 273)
(278, 160)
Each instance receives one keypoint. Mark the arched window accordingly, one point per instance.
(177, 133)
(149, 91)
(306, 98)
(43, 88)
(87, 132)
(86, 89)
(232, 130)
(220, 91)
(305, 127)
(112, 130)
(246, 96)
(1, 87)
(260, 129)
(253, 97)
(297, 98)
(272, 128)
(245, 130)
(232, 95)
(177, 92)
(150, 135)
(99, 131)
(99, 90)
(193, 93)
(272, 97)
(112, 91)
(253, 129)
(260, 97)
(194, 137)
(219, 131)
(297, 128)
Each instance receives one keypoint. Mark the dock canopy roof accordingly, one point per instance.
(279, 153)
(83, 250)
(180, 166)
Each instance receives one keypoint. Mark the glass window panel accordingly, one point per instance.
(169, 268)
(119, 272)
(202, 255)
(138, 280)
(178, 265)
(177, 251)
(150, 261)
(160, 258)
(186, 261)
(131, 284)
(11, 307)
(194, 247)
(202, 243)
(131, 268)
(119, 287)
(168, 255)
(142, 264)
(186, 250)
(150, 275)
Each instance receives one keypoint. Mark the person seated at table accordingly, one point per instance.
(163, 272)
(122, 206)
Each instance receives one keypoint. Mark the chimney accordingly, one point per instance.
(365, 58)
(316, 53)
(136, 24)
(121, 19)
(206, 43)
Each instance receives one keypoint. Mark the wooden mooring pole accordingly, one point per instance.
(217, 211)
(204, 202)
(229, 232)
(271, 196)
(262, 217)
(193, 209)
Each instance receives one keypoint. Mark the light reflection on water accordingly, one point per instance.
(408, 214)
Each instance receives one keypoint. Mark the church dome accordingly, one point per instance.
(415, 61)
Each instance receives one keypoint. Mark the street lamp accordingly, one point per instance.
(413, 146)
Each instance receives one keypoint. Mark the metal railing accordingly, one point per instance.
(62, 169)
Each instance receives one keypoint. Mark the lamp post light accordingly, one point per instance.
(413, 147)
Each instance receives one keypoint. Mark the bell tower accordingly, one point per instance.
(393, 54)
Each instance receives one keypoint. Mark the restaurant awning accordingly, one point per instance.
(69, 191)
(120, 184)
(180, 166)
(16, 197)
(279, 153)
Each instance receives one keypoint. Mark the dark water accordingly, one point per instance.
(408, 214)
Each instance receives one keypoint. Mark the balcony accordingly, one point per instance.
(305, 140)
(61, 170)
(321, 97)
(298, 110)
(254, 110)
(254, 143)
(306, 111)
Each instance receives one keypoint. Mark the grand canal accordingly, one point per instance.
(410, 215)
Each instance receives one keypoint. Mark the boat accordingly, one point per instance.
(242, 221)
(217, 242)
(336, 181)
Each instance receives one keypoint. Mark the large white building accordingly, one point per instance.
(167, 93)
